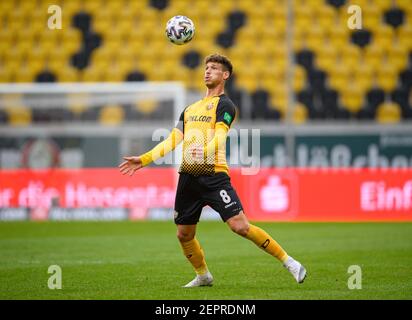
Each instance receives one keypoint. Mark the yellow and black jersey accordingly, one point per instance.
(206, 123)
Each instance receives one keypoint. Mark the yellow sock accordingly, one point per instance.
(195, 255)
(266, 242)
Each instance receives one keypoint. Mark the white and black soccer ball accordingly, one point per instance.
(180, 30)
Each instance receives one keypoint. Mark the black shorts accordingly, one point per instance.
(195, 192)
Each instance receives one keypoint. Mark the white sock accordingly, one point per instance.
(289, 261)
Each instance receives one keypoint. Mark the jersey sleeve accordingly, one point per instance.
(181, 123)
(225, 111)
(162, 148)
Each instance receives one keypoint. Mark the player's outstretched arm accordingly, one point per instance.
(130, 165)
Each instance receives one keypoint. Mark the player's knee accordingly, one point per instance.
(240, 228)
(184, 236)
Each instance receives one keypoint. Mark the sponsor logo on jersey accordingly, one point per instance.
(200, 118)
(228, 118)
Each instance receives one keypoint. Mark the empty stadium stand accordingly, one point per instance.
(334, 72)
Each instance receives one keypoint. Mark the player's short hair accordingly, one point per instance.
(224, 61)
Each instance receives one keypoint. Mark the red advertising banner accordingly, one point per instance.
(270, 195)
(328, 195)
(87, 188)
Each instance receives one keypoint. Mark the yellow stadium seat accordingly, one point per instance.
(326, 58)
(12, 99)
(77, 102)
(299, 78)
(383, 5)
(5, 75)
(373, 55)
(116, 5)
(19, 115)
(315, 38)
(248, 84)
(280, 23)
(102, 57)
(404, 35)
(158, 74)
(272, 9)
(137, 6)
(37, 27)
(114, 75)
(91, 74)
(12, 66)
(68, 74)
(71, 47)
(24, 75)
(384, 36)
(27, 35)
(17, 22)
(279, 98)
(300, 114)
(8, 36)
(397, 57)
(146, 106)
(36, 66)
(112, 115)
(114, 44)
(184, 75)
(302, 12)
(372, 22)
(351, 56)
(26, 7)
(361, 3)
(364, 76)
(94, 5)
(302, 23)
(403, 4)
(326, 14)
(103, 26)
(268, 82)
(70, 7)
(38, 55)
(14, 54)
(259, 64)
(339, 83)
(72, 35)
(387, 77)
(387, 113)
(338, 36)
(257, 12)
(59, 54)
(352, 98)
(298, 42)
(6, 6)
(326, 64)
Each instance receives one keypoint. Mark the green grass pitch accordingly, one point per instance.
(142, 260)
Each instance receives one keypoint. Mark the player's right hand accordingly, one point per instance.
(130, 165)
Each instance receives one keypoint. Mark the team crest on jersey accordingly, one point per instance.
(210, 106)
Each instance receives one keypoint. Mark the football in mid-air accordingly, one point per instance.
(180, 30)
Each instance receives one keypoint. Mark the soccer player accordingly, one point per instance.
(204, 175)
